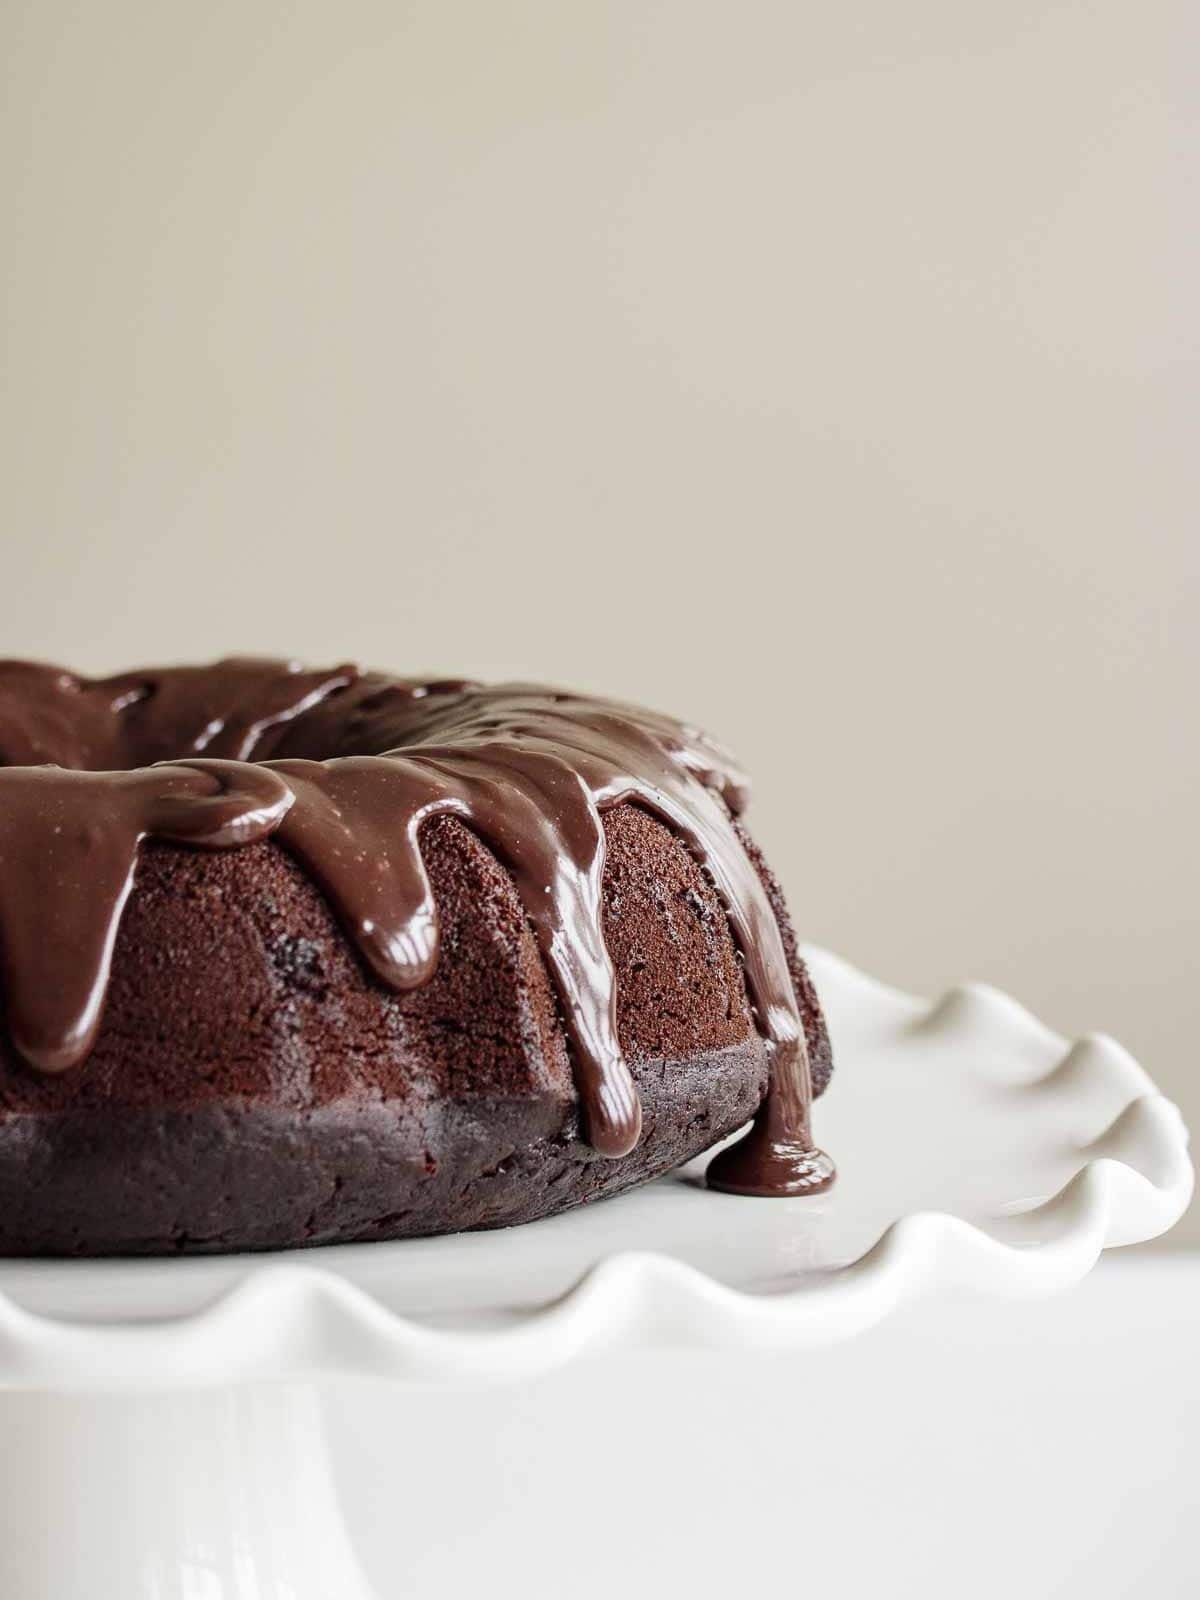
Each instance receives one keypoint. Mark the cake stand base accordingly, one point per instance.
(221, 1494)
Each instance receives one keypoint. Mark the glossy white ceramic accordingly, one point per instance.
(976, 1149)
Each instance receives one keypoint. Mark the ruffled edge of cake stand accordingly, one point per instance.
(288, 1319)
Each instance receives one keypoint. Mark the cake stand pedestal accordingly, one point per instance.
(200, 1495)
(162, 1418)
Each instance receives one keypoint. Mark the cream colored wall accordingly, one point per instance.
(829, 373)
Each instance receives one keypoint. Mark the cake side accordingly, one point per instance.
(253, 1086)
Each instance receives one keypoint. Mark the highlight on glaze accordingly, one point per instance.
(343, 768)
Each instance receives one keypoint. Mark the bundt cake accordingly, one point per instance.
(292, 957)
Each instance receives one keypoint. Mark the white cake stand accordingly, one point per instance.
(161, 1418)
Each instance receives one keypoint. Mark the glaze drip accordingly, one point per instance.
(345, 768)
(68, 847)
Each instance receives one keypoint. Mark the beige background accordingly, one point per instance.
(828, 373)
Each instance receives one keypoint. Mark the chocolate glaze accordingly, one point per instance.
(68, 845)
(344, 769)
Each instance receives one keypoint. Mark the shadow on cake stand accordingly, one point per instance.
(163, 1419)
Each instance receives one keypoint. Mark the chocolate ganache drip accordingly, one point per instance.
(343, 769)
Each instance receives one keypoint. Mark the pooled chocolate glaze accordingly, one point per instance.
(344, 769)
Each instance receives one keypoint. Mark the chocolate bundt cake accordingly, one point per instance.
(293, 957)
